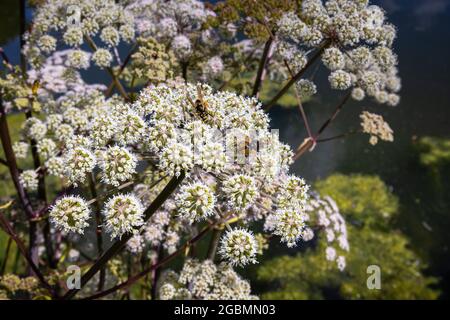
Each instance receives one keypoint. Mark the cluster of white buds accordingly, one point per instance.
(20, 149)
(306, 88)
(196, 201)
(56, 166)
(70, 214)
(241, 191)
(356, 41)
(123, 214)
(29, 180)
(80, 162)
(204, 281)
(33, 128)
(238, 247)
(289, 224)
(118, 165)
(46, 148)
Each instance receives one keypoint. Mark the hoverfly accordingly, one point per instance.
(200, 105)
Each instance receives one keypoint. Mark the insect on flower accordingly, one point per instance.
(200, 105)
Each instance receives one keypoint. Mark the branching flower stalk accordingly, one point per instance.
(170, 154)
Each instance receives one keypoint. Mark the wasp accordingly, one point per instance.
(200, 105)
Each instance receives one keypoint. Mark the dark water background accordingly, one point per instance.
(423, 47)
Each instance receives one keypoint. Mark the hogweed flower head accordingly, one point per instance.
(70, 214)
(118, 165)
(56, 166)
(240, 190)
(238, 247)
(29, 180)
(46, 148)
(80, 161)
(123, 214)
(20, 149)
(289, 224)
(196, 201)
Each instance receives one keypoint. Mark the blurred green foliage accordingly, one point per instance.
(369, 207)
(366, 199)
(434, 151)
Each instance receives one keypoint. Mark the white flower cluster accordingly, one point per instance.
(123, 214)
(358, 46)
(204, 281)
(180, 25)
(196, 201)
(70, 214)
(238, 247)
(241, 190)
(175, 128)
(55, 24)
(325, 214)
(29, 180)
(118, 165)
(20, 149)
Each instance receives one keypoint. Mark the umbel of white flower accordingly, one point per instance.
(238, 247)
(205, 281)
(70, 214)
(29, 180)
(196, 201)
(118, 165)
(357, 42)
(80, 161)
(294, 193)
(123, 214)
(240, 190)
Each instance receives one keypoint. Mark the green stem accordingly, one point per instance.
(5, 257)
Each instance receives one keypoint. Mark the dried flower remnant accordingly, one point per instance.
(376, 127)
